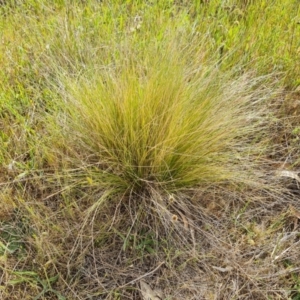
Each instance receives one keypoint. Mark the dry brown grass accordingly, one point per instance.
(239, 244)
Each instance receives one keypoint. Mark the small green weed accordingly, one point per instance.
(141, 242)
(32, 278)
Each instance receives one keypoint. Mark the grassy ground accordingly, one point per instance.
(149, 149)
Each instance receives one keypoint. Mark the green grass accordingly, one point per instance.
(137, 134)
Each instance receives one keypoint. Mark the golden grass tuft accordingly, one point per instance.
(164, 120)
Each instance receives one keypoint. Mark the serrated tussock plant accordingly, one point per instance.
(163, 120)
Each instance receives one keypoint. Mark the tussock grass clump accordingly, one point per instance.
(168, 122)
(156, 157)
